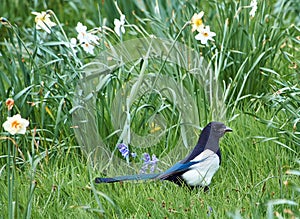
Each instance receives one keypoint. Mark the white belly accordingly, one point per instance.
(200, 174)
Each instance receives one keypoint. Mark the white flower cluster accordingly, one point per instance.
(87, 40)
(204, 33)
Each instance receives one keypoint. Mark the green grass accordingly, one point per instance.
(252, 173)
(252, 86)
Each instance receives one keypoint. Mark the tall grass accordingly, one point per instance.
(154, 94)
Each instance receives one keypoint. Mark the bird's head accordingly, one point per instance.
(218, 129)
(209, 139)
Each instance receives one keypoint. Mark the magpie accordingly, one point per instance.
(195, 170)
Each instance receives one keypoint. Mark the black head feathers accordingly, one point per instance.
(209, 139)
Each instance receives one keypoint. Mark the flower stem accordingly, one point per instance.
(10, 174)
(59, 24)
(32, 175)
(10, 179)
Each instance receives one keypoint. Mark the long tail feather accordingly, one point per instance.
(126, 178)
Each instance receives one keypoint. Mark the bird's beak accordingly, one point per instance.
(227, 129)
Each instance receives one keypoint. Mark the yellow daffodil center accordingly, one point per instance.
(198, 22)
(15, 124)
(41, 17)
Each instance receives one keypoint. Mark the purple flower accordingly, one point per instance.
(143, 169)
(149, 162)
(153, 163)
(146, 158)
(209, 211)
(123, 148)
(154, 159)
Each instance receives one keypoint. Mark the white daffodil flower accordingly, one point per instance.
(43, 21)
(15, 125)
(88, 48)
(82, 32)
(86, 39)
(205, 34)
(197, 22)
(119, 25)
(253, 6)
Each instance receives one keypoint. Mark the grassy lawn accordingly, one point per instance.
(149, 81)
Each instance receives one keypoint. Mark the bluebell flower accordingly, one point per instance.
(209, 211)
(123, 148)
(146, 158)
(149, 162)
(154, 159)
(153, 163)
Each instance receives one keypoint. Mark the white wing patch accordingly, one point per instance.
(200, 174)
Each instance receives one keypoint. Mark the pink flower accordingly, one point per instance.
(9, 103)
